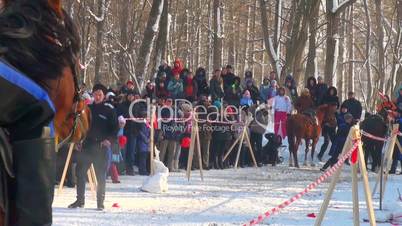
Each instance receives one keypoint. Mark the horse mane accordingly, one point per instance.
(36, 41)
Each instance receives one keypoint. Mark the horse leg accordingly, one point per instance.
(291, 157)
(306, 152)
(312, 151)
(298, 141)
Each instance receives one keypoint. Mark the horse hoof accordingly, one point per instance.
(305, 164)
(290, 164)
(297, 166)
(312, 164)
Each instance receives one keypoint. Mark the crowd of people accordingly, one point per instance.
(126, 141)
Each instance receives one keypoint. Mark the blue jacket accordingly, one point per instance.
(340, 139)
(143, 138)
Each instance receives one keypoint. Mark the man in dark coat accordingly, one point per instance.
(321, 90)
(328, 132)
(228, 78)
(103, 130)
(354, 106)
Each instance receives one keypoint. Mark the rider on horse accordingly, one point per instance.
(305, 105)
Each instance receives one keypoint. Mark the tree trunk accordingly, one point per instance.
(217, 56)
(99, 36)
(231, 51)
(368, 57)
(162, 40)
(269, 46)
(380, 45)
(342, 52)
(350, 32)
(311, 56)
(147, 42)
(123, 69)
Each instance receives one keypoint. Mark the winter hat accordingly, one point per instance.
(274, 83)
(110, 94)
(130, 82)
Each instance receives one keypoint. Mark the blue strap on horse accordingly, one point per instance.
(21, 94)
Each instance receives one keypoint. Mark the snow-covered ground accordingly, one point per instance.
(226, 197)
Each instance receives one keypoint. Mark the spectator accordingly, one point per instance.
(161, 90)
(248, 76)
(177, 67)
(220, 138)
(254, 92)
(164, 68)
(331, 97)
(264, 89)
(246, 99)
(175, 87)
(228, 78)
(190, 87)
(312, 87)
(291, 88)
(321, 90)
(272, 76)
(339, 141)
(149, 91)
(399, 100)
(233, 93)
(257, 129)
(202, 82)
(273, 90)
(397, 155)
(205, 133)
(282, 107)
(143, 145)
(353, 106)
(216, 85)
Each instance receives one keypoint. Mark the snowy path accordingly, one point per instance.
(229, 197)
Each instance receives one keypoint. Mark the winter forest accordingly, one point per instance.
(354, 44)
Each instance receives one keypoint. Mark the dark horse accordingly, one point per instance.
(40, 99)
(377, 126)
(301, 126)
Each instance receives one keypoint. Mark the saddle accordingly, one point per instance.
(311, 114)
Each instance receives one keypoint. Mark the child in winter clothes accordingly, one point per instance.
(143, 146)
(339, 142)
(190, 87)
(246, 99)
(282, 107)
(175, 87)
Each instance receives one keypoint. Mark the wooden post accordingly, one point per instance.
(231, 148)
(91, 182)
(387, 161)
(191, 150)
(151, 141)
(355, 195)
(251, 149)
(367, 192)
(240, 145)
(197, 136)
(394, 137)
(63, 176)
(93, 174)
(324, 206)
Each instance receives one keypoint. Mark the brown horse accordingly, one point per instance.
(300, 126)
(40, 42)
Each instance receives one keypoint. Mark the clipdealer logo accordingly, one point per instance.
(173, 115)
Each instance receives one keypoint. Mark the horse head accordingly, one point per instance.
(40, 39)
(326, 114)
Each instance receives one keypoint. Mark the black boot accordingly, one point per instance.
(77, 204)
(99, 203)
(35, 167)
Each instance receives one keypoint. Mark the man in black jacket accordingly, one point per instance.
(103, 130)
(354, 106)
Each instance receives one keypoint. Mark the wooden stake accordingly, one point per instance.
(240, 145)
(231, 148)
(251, 149)
(151, 141)
(190, 152)
(93, 174)
(355, 196)
(391, 152)
(197, 136)
(63, 177)
(91, 182)
(367, 192)
(324, 206)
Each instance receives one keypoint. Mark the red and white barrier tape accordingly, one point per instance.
(371, 136)
(310, 187)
